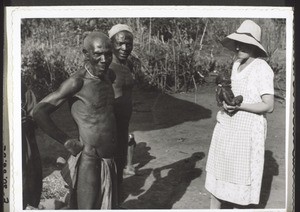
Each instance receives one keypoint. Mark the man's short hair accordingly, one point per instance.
(92, 36)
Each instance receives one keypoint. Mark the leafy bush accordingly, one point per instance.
(170, 54)
(43, 71)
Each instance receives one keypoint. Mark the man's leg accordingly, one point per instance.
(129, 169)
(121, 154)
(122, 142)
(88, 181)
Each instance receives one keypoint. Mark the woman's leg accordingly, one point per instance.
(215, 203)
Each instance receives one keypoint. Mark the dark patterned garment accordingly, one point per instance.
(31, 161)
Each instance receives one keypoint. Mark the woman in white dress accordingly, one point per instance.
(236, 155)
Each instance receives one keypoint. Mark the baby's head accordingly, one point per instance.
(223, 79)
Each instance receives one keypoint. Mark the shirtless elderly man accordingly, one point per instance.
(91, 98)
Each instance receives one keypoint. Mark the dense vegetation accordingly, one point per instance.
(171, 54)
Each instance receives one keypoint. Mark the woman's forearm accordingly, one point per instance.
(259, 108)
(266, 106)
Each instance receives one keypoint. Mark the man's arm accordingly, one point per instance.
(52, 102)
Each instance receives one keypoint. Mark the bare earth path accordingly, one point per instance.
(173, 134)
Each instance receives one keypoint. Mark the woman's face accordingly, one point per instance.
(123, 44)
(244, 51)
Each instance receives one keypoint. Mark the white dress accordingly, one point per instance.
(236, 155)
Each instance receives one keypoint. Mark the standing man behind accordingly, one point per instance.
(91, 97)
(122, 40)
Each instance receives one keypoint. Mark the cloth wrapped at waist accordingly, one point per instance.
(70, 170)
(107, 196)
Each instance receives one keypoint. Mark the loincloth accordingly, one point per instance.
(107, 196)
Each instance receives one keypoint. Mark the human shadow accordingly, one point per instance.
(132, 185)
(271, 169)
(171, 182)
(141, 155)
(155, 110)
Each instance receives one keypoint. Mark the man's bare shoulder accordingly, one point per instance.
(74, 83)
(79, 74)
(130, 64)
(111, 75)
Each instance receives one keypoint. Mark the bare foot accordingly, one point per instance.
(74, 146)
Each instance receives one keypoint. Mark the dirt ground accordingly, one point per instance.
(173, 134)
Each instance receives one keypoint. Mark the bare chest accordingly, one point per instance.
(124, 78)
(95, 95)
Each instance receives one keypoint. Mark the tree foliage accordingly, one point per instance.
(172, 54)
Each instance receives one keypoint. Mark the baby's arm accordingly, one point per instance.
(218, 95)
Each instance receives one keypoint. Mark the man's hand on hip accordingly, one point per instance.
(74, 146)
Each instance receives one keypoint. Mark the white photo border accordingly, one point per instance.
(12, 70)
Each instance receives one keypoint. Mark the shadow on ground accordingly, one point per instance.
(169, 185)
(133, 185)
(271, 169)
(141, 155)
(153, 110)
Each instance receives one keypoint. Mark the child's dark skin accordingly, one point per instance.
(224, 92)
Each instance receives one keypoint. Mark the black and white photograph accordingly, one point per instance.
(149, 108)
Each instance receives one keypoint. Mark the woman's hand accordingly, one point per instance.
(229, 108)
(266, 106)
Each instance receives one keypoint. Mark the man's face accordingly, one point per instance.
(122, 45)
(99, 55)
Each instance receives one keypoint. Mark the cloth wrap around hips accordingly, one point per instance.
(107, 196)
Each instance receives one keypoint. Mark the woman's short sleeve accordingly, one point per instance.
(265, 78)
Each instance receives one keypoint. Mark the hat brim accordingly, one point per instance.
(229, 43)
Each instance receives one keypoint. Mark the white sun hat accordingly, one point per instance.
(250, 33)
(118, 28)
